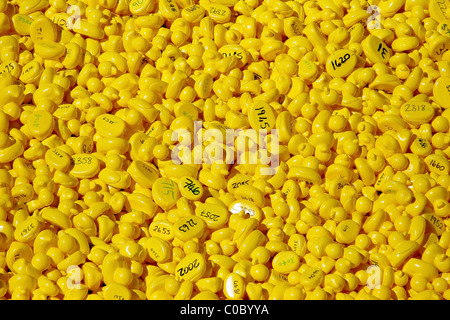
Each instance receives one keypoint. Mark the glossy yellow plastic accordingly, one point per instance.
(115, 291)
(165, 193)
(402, 251)
(219, 12)
(141, 202)
(341, 63)
(143, 173)
(158, 249)
(215, 216)
(203, 85)
(304, 173)
(162, 229)
(416, 266)
(190, 188)
(234, 286)
(262, 116)
(40, 124)
(109, 125)
(42, 28)
(58, 159)
(56, 217)
(376, 50)
(28, 229)
(141, 7)
(438, 10)
(247, 207)
(191, 268)
(297, 242)
(346, 231)
(437, 164)
(417, 113)
(286, 261)
(49, 50)
(23, 192)
(169, 9)
(88, 29)
(251, 194)
(235, 50)
(193, 13)
(22, 24)
(237, 181)
(85, 166)
(31, 72)
(95, 205)
(421, 147)
(441, 91)
(311, 278)
(436, 222)
(189, 227)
